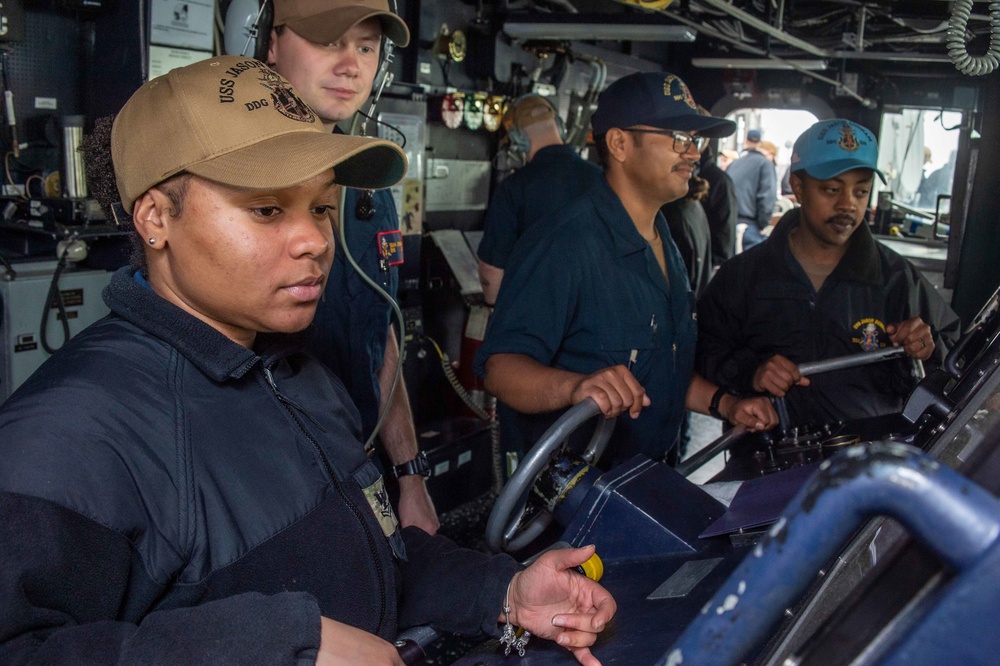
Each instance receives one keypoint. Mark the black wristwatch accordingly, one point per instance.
(418, 465)
(713, 407)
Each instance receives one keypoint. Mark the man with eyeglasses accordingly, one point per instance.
(599, 306)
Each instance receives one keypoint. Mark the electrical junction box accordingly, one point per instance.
(22, 301)
(460, 455)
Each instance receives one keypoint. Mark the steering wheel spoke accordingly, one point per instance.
(509, 526)
(521, 533)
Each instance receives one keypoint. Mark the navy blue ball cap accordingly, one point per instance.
(831, 147)
(656, 99)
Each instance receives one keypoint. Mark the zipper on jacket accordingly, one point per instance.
(288, 401)
(289, 405)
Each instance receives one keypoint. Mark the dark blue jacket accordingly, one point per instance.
(169, 496)
(762, 303)
(689, 230)
(721, 210)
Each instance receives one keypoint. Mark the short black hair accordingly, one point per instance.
(601, 148)
(101, 183)
(100, 170)
(98, 165)
(601, 145)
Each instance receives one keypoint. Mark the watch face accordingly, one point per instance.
(422, 464)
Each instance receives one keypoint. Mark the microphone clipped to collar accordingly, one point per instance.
(365, 208)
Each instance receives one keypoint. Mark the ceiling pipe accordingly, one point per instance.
(706, 29)
(863, 15)
(896, 57)
(766, 28)
(866, 102)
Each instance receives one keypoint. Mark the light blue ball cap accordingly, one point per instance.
(831, 147)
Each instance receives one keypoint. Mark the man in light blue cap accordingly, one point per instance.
(822, 287)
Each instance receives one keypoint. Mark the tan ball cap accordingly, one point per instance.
(234, 121)
(325, 21)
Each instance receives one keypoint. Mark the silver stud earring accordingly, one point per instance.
(152, 241)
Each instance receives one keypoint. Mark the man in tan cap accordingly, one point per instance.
(554, 175)
(181, 483)
(330, 50)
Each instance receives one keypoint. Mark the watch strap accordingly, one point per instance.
(713, 407)
(418, 465)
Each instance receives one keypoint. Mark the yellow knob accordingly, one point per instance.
(592, 568)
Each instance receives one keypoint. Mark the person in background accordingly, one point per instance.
(689, 230)
(181, 482)
(330, 50)
(936, 183)
(726, 157)
(770, 151)
(553, 176)
(822, 287)
(785, 189)
(755, 179)
(719, 204)
(598, 306)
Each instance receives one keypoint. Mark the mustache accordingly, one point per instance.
(841, 219)
(685, 163)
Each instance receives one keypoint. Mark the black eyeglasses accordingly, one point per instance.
(682, 141)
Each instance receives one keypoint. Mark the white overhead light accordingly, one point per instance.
(759, 63)
(633, 32)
